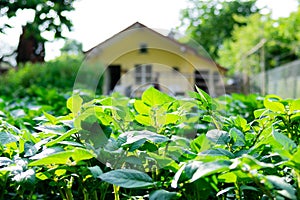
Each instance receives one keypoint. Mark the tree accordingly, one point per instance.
(263, 44)
(72, 47)
(49, 16)
(210, 22)
(289, 31)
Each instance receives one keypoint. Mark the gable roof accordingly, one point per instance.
(140, 25)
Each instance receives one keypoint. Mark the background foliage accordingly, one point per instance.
(211, 22)
(49, 83)
(49, 16)
(264, 41)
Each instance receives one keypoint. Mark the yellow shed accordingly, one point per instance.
(139, 57)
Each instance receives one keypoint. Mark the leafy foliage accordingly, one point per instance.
(156, 147)
(44, 86)
(263, 40)
(72, 47)
(49, 16)
(211, 22)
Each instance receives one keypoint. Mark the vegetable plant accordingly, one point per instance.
(153, 147)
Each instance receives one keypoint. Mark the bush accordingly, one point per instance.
(44, 83)
(56, 74)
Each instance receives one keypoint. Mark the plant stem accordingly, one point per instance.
(95, 195)
(215, 121)
(266, 191)
(68, 189)
(85, 194)
(62, 194)
(237, 191)
(116, 192)
(69, 194)
(298, 180)
(3, 185)
(258, 134)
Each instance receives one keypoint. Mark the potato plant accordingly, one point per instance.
(155, 147)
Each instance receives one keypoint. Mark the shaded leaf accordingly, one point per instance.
(163, 195)
(127, 178)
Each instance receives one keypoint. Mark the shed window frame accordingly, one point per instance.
(143, 48)
(143, 73)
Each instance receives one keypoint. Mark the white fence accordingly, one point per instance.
(283, 81)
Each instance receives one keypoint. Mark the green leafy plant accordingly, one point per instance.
(156, 147)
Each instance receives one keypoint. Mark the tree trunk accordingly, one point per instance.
(30, 49)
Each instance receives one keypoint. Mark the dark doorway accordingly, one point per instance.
(201, 79)
(114, 73)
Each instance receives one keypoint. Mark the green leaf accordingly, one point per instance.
(201, 143)
(218, 152)
(163, 195)
(127, 178)
(162, 161)
(287, 190)
(96, 171)
(134, 136)
(65, 157)
(282, 139)
(6, 138)
(60, 172)
(171, 118)
(224, 191)
(47, 152)
(229, 177)
(252, 163)
(74, 104)
(26, 178)
(246, 187)
(272, 102)
(144, 120)
(259, 112)
(134, 160)
(141, 108)
(201, 169)
(218, 137)
(204, 97)
(57, 129)
(295, 105)
(95, 134)
(177, 176)
(51, 118)
(5, 161)
(242, 123)
(41, 176)
(296, 156)
(62, 137)
(154, 97)
(207, 118)
(238, 137)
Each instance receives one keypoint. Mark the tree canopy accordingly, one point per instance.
(72, 46)
(50, 15)
(210, 22)
(263, 43)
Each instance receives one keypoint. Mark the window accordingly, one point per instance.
(143, 48)
(216, 77)
(201, 79)
(175, 69)
(143, 74)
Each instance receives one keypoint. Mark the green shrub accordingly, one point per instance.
(49, 83)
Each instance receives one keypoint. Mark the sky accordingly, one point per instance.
(96, 20)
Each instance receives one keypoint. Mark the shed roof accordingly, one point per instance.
(140, 25)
